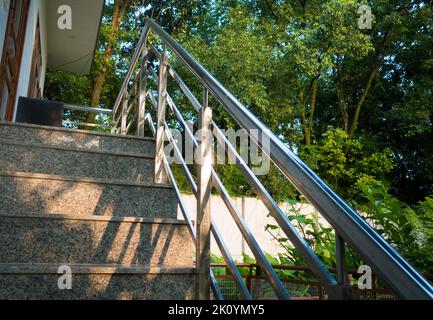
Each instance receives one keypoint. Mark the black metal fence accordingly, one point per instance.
(298, 280)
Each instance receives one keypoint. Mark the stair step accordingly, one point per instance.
(72, 138)
(39, 158)
(24, 192)
(107, 281)
(65, 239)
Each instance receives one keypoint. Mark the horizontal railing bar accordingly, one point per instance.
(181, 120)
(393, 269)
(87, 109)
(182, 205)
(152, 99)
(153, 73)
(178, 114)
(309, 256)
(186, 171)
(128, 111)
(178, 154)
(149, 120)
(230, 262)
(297, 240)
(156, 52)
(284, 280)
(321, 271)
(115, 121)
(129, 125)
(84, 124)
(219, 186)
(249, 238)
(291, 281)
(221, 244)
(190, 96)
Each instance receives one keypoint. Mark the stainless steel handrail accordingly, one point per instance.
(258, 253)
(87, 109)
(247, 235)
(393, 269)
(317, 266)
(75, 107)
(138, 50)
(85, 124)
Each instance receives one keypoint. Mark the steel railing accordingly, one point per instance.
(396, 273)
(86, 109)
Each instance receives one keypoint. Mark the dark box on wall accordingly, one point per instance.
(42, 112)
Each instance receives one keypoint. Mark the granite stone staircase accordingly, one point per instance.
(87, 201)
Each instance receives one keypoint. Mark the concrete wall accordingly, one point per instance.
(256, 217)
(37, 7)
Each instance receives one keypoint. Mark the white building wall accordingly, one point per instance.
(256, 216)
(37, 7)
(4, 11)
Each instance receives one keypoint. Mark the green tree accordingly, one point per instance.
(342, 161)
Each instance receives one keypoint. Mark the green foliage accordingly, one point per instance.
(68, 87)
(318, 235)
(341, 161)
(275, 182)
(218, 270)
(408, 229)
(233, 180)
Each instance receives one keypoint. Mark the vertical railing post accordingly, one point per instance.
(142, 93)
(124, 113)
(203, 199)
(113, 127)
(160, 175)
(341, 260)
(344, 290)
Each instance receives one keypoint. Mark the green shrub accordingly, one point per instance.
(408, 229)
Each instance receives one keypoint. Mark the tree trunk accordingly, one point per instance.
(362, 99)
(304, 123)
(313, 97)
(343, 105)
(120, 8)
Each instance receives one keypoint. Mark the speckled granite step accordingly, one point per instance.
(71, 138)
(39, 158)
(66, 239)
(23, 192)
(91, 282)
